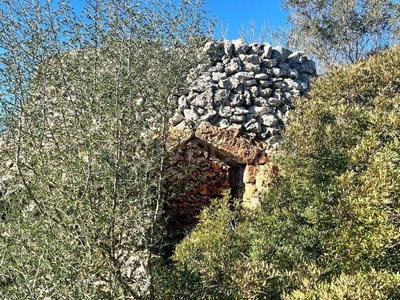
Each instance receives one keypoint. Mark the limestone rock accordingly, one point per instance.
(232, 74)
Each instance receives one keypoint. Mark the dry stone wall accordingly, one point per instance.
(245, 87)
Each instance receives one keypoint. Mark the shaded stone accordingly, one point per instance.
(219, 68)
(210, 48)
(265, 92)
(229, 83)
(250, 82)
(293, 73)
(260, 101)
(208, 115)
(274, 102)
(264, 83)
(267, 50)
(269, 63)
(278, 72)
(220, 97)
(235, 99)
(256, 48)
(280, 53)
(234, 66)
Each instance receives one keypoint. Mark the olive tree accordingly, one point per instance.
(85, 104)
(342, 31)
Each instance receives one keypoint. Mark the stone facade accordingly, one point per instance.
(237, 104)
(231, 115)
(244, 87)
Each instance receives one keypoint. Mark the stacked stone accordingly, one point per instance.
(244, 86)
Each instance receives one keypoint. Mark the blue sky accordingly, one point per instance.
(235, 13)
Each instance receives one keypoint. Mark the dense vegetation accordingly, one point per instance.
(81, 174)
(82, 96)
(342, 31)
(328, 228)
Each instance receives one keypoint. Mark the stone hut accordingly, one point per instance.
(228, 121)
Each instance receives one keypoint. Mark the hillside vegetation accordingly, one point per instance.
(328, 228)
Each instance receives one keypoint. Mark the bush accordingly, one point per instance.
(329, 227)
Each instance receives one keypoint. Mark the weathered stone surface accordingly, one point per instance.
(275, 102)
(242, 76)
(201, 84)
(280, 53)
(223, 123)
(269, 63)
(265, 92)
(250, 67)
(269, 120)
(240, 47)
(267, 51)
(261, 101)
(256, 48)
(250, 82)
(177, 118)
(237, 119)
(235, 100)
(250, 174)
(225, 111)
(210, 48)
(229, 143)
(234, 66)
(217, 76)
(235, 74)
(261, 76)
(254, 91)
(240, 110)
(191, 187)
(259, 110)
(221, 96)
(228, 48)
(208, 115)
(291, 83)
(190, 115)
(229, 84)
(182, 103)
(279, 72)
(251, 58)
(253, 126)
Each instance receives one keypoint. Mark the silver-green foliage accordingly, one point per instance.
(328, 226)
(342, 31)
(85, 100)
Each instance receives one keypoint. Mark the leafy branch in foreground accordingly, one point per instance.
(83, 97)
